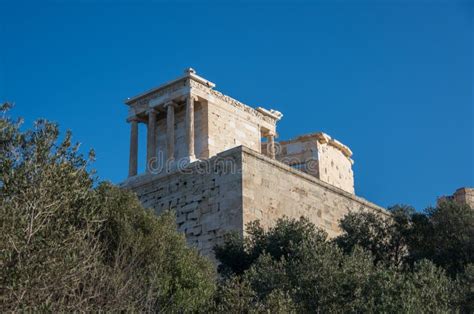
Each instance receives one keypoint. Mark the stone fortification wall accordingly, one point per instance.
(272, 190)
(206, 197)
(240, 185)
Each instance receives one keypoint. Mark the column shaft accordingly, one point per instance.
(190, 126)
(133, 161)
(150, 147)
(271, 143)
(170, 130)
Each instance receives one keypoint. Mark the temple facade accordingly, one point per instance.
(217, 164)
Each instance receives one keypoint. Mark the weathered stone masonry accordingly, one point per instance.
(216, 163)
(238, 186)
(206, 197)
(272, 190)
(464, 196)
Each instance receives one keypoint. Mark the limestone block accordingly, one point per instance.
(194, 215)
(197, 230)
(189, 207)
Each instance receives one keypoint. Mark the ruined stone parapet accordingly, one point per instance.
(464, 196)
(320, 156)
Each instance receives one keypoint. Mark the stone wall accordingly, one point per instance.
(240, 185)
(272, 190)
(230, 127)
(206, 197)
(335, 168)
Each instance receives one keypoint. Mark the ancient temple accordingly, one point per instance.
(217, 164)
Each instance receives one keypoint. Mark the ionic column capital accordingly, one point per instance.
(193, 97)
(152, 111)
(133, 119)
(170, 103)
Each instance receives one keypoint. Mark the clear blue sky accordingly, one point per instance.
(391, 79)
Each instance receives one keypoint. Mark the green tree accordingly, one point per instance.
(70, 244)
(296, 259)
(385, 236)
(237, 254)
(235, 295)
(445, 235)
(465, 285)
(167, 274)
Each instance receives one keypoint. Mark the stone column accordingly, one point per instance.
(190, 126)
(133, 161)
(271, 145)
(170, 129)
(151, 130)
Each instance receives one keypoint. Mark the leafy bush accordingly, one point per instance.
(68, 244)
(296, 260)
(444, 235)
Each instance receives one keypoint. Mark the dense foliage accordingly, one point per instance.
(444, 235)
(69, 244)
(403, 262)
(296, 261)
